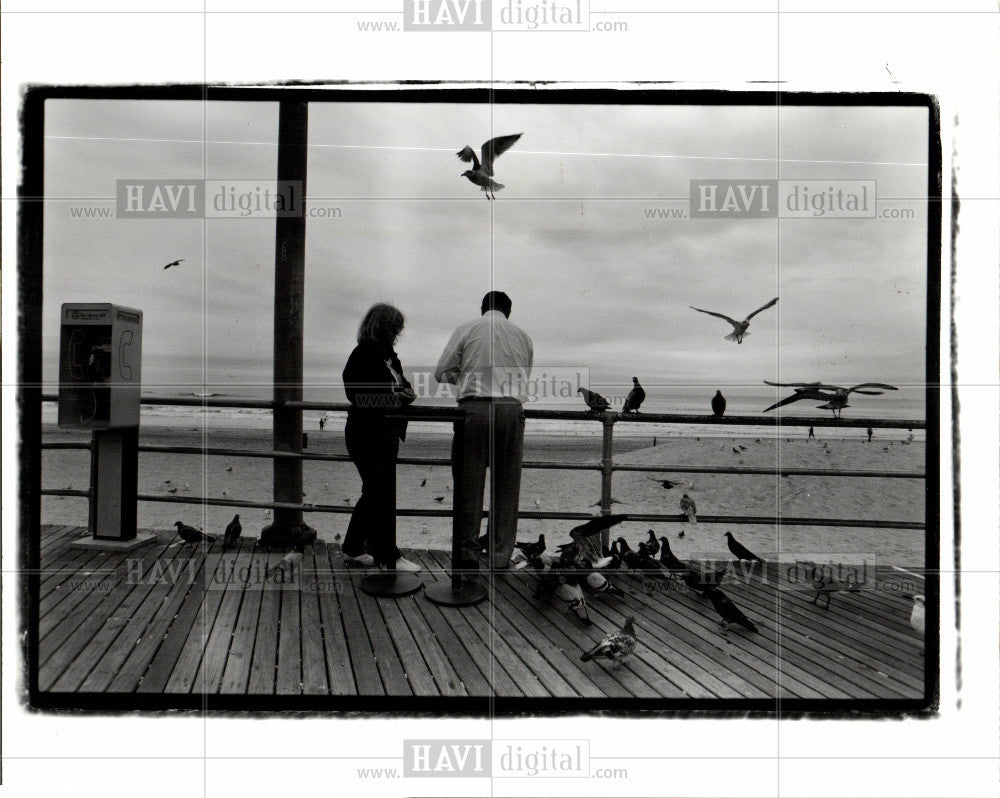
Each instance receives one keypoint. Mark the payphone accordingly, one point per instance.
(100, 356)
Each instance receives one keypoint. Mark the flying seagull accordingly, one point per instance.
(482, 173)
(616, 646)
(834, 396)
(635, 397)
(594, 401)
(177, 262)
(739, 327)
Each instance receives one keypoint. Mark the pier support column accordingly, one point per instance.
(289, 295)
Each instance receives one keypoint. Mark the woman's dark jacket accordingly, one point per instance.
(371, 389)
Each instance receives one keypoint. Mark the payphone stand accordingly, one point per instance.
(99, 385)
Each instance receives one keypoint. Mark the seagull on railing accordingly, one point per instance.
(481, 173)
(739, 327)
(834, 396)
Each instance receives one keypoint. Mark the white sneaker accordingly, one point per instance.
(365, 560)
(402, 564)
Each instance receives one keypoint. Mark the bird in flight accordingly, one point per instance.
(834, 396)
(739, 327)
(481, 172)
(177, 262)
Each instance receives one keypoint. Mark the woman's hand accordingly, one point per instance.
(406, 395)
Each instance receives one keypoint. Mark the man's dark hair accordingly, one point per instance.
(497, 300)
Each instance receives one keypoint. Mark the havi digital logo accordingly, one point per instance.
(446, 15)
(443, 758)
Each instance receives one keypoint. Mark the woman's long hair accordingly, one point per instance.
(381, 326)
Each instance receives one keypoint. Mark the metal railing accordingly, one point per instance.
(605, 466)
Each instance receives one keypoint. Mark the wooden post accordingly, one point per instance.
(289, 295)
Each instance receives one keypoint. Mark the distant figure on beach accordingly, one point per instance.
(718, 404)
(374, 383)
(869, 435)
(322, 423)
(489, 361)
(812, 433)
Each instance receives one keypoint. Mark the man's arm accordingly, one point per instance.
(450, 364)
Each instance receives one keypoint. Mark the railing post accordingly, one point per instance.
(607, 469)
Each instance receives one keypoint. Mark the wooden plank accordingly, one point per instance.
(63, 647)
(127, 661)
(149, 665)
(314, 582)
(445, 676)
(339, 674)
(289, 671)
(263, 666)
(219, 641)
(237, 670)
(471, 659)
(363, 662)
(410, 653)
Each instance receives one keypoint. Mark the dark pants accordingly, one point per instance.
(373, 448)
(494, 437)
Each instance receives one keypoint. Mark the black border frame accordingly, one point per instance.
(29, 281)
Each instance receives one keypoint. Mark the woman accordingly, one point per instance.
(375, 385)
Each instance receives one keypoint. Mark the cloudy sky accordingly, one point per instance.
(595, 282)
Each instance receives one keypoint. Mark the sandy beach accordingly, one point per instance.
(554, 490)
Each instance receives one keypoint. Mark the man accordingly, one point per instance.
(489, 361)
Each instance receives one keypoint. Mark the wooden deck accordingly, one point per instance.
(149, 622)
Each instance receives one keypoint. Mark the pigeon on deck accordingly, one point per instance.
(729, 612)
(718, 404)
(616, 647)
(284, 571)
(918, 616)
(739, 327)
(481, 173)
(667, 558)
(177, 262)
(191, 535)
(233, 532)
(594, 401)
(704, 582)
(827, 587)
(740, 552)
(689, 508)
(635, 397)
(532, 549)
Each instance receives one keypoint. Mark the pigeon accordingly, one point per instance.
(439, 498)
(177, 262)
(599, 583)
(827, 588)
(666, 483)
(718, 404)
(918, 615)
(735, 450)
(728, 611)
(423, 482)
(739, 327)
(616, 647)
(834, 396)
(740, 551)
(689, 508)
(634, 561)
(635, 397)
(171, 490)
(229, 470)
(667, 558)
(284, 571)
(703, 583)
(191, 535)
(532, 549)
(594, 401)
(481, 173)
(233, 532)
(652, 545)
